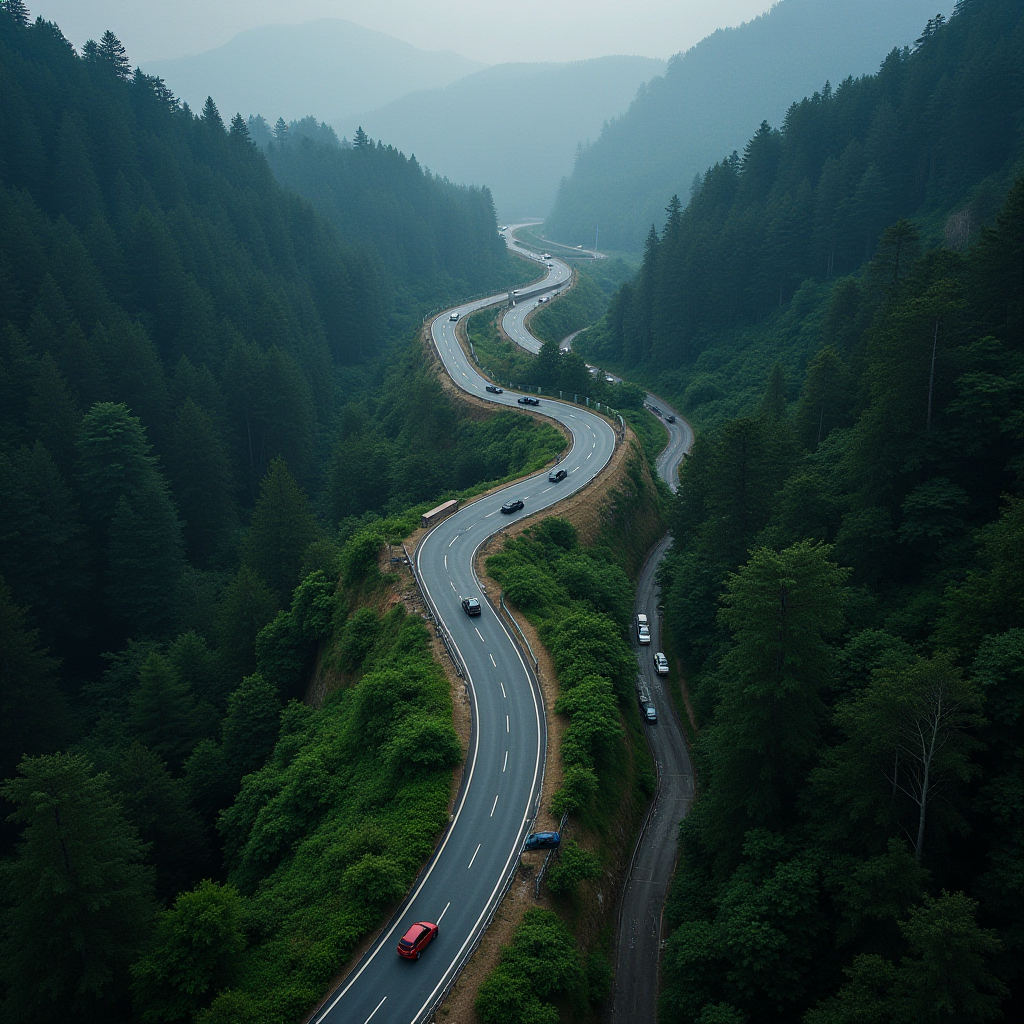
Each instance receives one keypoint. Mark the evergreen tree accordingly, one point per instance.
(246, 607)
(280, 131)
(17, 12)
(240, 129)
(34, 716)
(78, 897)
(163, 714)
(360, 140)
(112, 51)
(251, 726)
(282, 527)
(211, 115)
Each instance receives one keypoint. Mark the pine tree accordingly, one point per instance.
(163, 715)
(282, 527)
(239, 129)
(211, 115)
(111, 50)
(280, 131)
(251, 725)
(16, 11)
(33, 713)
(361, 140)
(79, 899)
(246, 607)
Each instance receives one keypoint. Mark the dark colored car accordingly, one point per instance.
(471, 606)
(648, 710)
(416, 939)
(542, 841)
(557, 474)
(527, 400)
(494, 390)
(670, 418)
(512, 506)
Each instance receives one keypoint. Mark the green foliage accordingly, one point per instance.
(539, 967)
(335, 824)
(282, 527)
(195, 953)
(574, 865)
(163, 714)
(78, 899)
(578, 307)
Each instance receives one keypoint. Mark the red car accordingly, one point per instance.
(416, 939)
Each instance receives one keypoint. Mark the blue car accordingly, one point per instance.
(542, 841)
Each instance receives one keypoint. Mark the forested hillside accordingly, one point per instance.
(711, 99)
(934, 136)
(192, 489)
(846, 590)
(846, 584)
(432, 238)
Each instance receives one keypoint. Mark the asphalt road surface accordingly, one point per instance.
(638, 942)
(464, 881)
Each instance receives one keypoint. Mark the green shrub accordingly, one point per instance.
(574, 865)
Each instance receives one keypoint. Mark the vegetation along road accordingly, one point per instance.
(638, 942)
(463, 883)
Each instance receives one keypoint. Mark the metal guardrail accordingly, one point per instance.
(551, 853)
(512, 619)
(439, 628)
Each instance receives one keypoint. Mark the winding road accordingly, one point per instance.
(464, 881)
(638, 940)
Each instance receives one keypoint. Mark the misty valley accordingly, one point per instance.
(512, 531)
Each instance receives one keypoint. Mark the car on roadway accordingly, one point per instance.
(648, 710)
(660, 662)
(528, 400)
(513, 506)
(454, 316)
(670, 418)
(557, 474)
(494, 389)
(416, 939)
(550, 264)
(542, 841)
(471, 606)
(579, 246)
(609, 379)
(643, 629)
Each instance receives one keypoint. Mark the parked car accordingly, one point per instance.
(557, 474)
(542, 841)
(513, 506)
(528, 400)
(471, 606)
(643, 629)
(453, 316)
(649, 711)
(494, 390)
(416, 939)
(660, 663)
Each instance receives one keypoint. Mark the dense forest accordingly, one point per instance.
(934, 136)
(709, 101)
(210, 406)
(845, 586)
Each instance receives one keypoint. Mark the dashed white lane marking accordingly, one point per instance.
(479, 634)
(508, 728)
(378, 1006)
(545, 491)
(493, 662)
(454, 539)
(494, 513)
(502, 685)
(505, 765)
(445, 911)
(495, 804)
(446, 559)
(475, 852)
(590, 455)
(452, 585)
(574, 470)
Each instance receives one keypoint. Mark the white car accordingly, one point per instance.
(454, 316)
(661, 664)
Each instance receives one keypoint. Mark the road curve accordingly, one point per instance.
(464, 881)
(638, 941)
(529, 298)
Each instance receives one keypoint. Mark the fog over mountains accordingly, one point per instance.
(322, 67)
(513, 127)
(711, 101)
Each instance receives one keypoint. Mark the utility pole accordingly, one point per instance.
(931, 375)
(597, 228)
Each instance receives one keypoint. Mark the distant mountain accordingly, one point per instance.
(295, 70)
(513, 127)
(711, 100)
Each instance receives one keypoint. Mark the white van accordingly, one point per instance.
(454, 316)
(643, 629)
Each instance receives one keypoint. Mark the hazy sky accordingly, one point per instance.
(489, 30)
